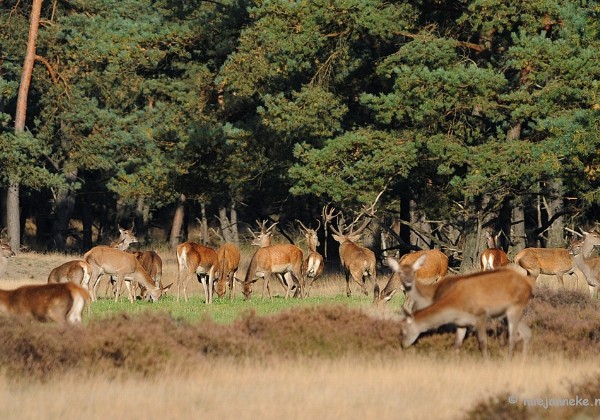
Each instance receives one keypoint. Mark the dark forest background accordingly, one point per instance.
(159, 114)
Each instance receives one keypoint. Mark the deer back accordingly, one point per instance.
(434, 267)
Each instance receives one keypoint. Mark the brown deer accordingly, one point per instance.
(193, 258)
(590, 267)
(492, 257)
(555, 261)
(62, 303)
(5, 253)
(152, 263)
(107, 260)
(283, 260)
(228, 256)
(313, 264)
(76, 271)
(126, 238)
(468, 301)
(357, 261)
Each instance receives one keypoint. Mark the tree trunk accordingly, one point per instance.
(142, 217)
(12, 199)
(64, 203)
(178, 218)
(517, 234)
(554, 204)
(203, 224)
(234, 225)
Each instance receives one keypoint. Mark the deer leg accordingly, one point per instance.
(348, 291)
(482, 337)
(461, 333)
(559, 276)
(130, 290)
(211, 282)
(120, 279)
(525, 336)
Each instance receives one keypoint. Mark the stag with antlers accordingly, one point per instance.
(357, 261)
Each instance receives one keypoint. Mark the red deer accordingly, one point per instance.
(193, 258)
(5, 253)
(469, 301)
(228, 256)
(107, 260)
(492, 257)
(357, 261)
(152, 263)
(590, 267)
(283, 260)
(555, 261)
(76, 271)
(59, 302)
(313, 264)
(432, 265)
(126, 238)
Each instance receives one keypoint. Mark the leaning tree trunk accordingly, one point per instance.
(518, 236)
(12, 198)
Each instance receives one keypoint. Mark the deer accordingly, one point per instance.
(468, 301)
(193, 258)
(492, 257)
(313, 264)
(125, 266)
(126, 238)
(62, 303)
(590, 267)
(228, 256)
(75, 271)
(555, 261)
(6, 252)
(357, 261)
(152, 263)
(283, 260)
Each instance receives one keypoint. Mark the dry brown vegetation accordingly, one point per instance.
(329, 360)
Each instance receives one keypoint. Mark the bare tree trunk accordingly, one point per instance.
(177, 222)
(12, 199)
(234, 225)
(64, 203)
(517, 234)
(142, 217)
(554, 204)
(203, 223)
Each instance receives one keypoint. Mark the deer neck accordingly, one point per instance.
(587, 247)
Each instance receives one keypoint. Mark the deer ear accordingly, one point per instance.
(419, 263)
(338, 238)
(393, 264)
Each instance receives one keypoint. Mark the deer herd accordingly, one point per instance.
(500, 289)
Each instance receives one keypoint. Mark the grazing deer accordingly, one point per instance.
(107, 260)
(357, 261)
(283, 260)
(152, 263)
(76, 271)
(313, 264)
(126, 238)
(229, 260)
(193, 258)
(59, 302)
(5, 253)
(590, 267)
(492, 257)
(468, 301)
(555, 261)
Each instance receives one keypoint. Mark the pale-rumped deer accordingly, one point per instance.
(357, 261)
(229, 260)
(62, 303)
(468, 301)
(555, 261)
(283, 260)
(492, 257)
(313, 264)
(111, 261)
(76, 271)
(193, 258)
(590, 267)
(6, 252)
